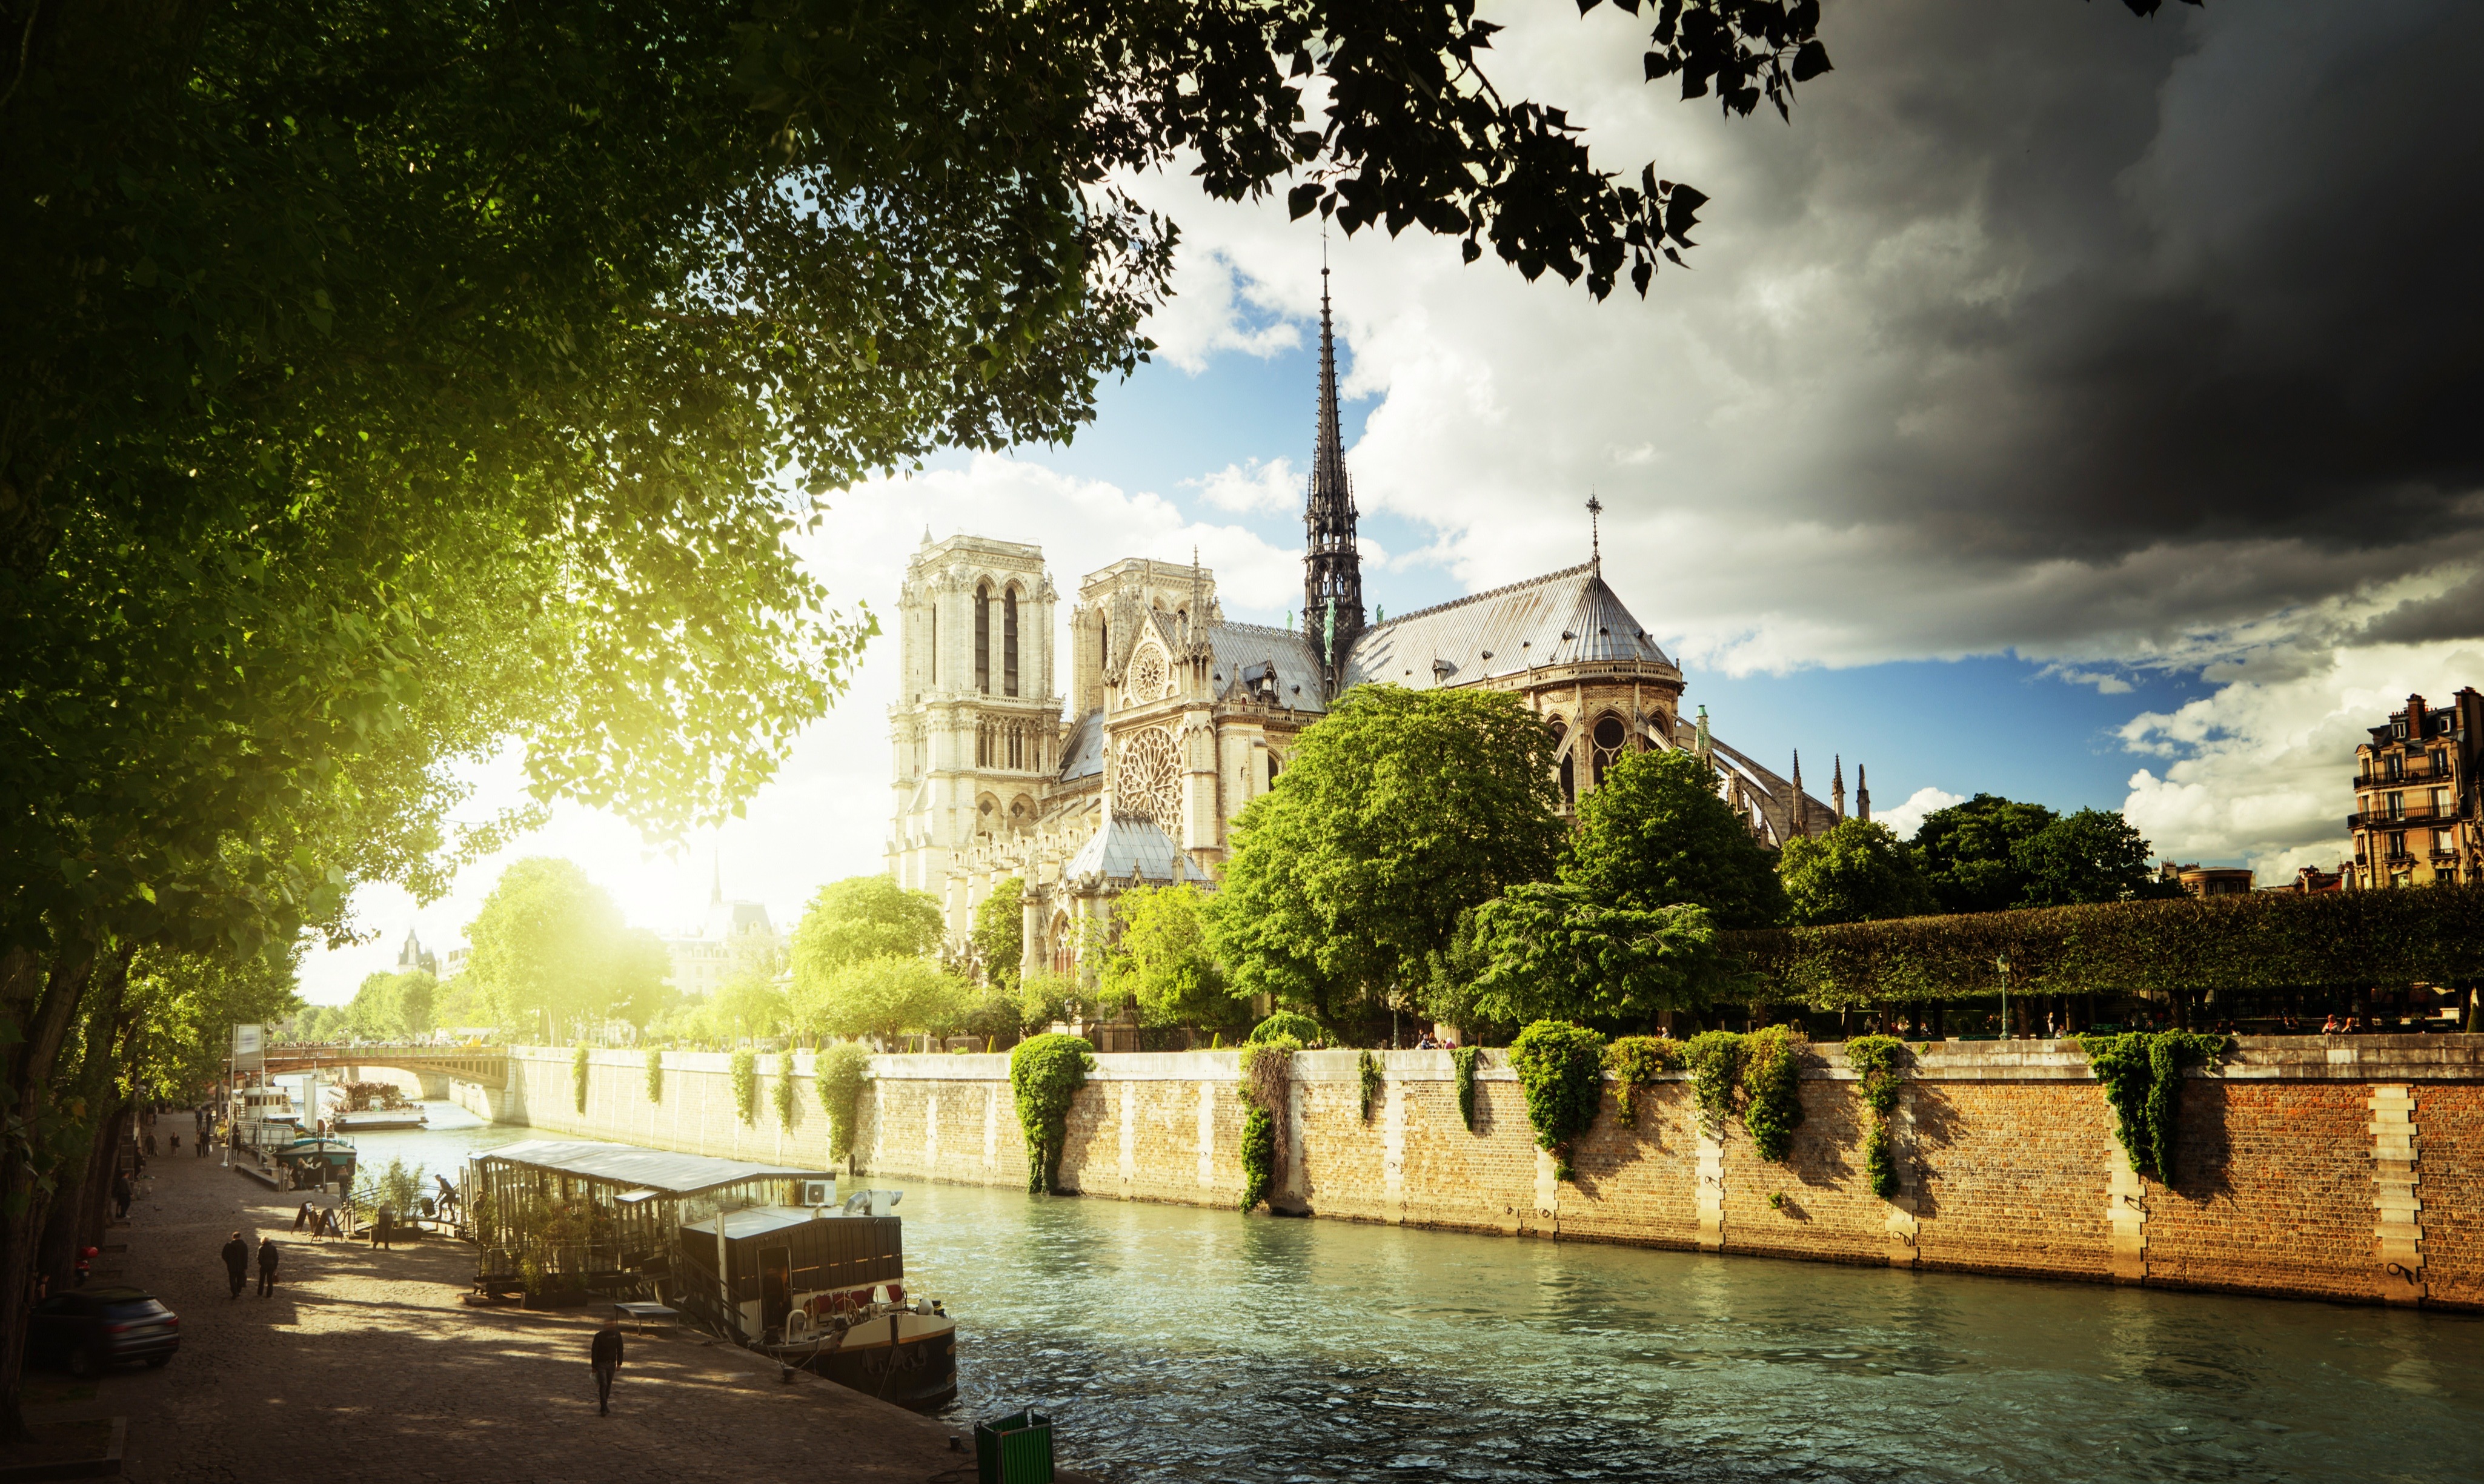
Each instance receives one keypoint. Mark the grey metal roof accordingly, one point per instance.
(626, 1164)
(1128, 847)
(755, 1221)
(1521, 625)
(1083, 755)
(1241, 648)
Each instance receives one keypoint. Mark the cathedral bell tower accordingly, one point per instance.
(1331, 564)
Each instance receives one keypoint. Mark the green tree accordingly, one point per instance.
(1546, 950)
(886, 996)
(393, 1007)
(2087, 856)
(1858, 872)
(863, 917)
(1655, 834)
(550, 951)
(1000, 933)
(1162, 960)
(1969, 851)
(1399, 811)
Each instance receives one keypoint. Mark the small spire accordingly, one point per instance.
(1862, 795)
(1837, 787)
(1595, 530)
(1800, 815)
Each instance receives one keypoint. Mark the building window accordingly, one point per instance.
(2397, 844)
(1569, 774)
(2396, 803)
(1009, 642)
(984, 637)
(1610, 736)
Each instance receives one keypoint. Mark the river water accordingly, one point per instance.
(1173, 1343)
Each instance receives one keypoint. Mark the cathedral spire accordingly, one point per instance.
(1862, 795)
(1837, 787)
(1800, 815)
(1332, 566)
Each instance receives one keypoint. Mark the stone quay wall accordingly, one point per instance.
(2348, 1169)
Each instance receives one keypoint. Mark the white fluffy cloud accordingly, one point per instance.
(1908, 817)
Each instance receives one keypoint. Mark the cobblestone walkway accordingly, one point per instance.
(366, 1365)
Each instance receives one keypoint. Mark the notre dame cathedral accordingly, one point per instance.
(1131, 769)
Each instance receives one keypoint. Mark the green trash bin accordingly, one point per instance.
(1016, 1449)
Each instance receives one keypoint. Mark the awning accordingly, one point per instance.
(647, 1173)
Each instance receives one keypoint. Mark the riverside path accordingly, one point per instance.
(366, 1365)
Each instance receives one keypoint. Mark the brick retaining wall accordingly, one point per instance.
(2348, 1169)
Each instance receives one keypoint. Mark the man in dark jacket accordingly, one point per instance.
(237, 1262)
(122, 1195)
(606, 1356)
(267, 1266)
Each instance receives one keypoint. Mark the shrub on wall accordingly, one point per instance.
(1877, 1060)
(745, 1085)
(578, 1077)
(1715, 1061)
(1259, 1158)
(1771, 1088)
(1302, 1030)
(1462, 1060)
(1635, 1062)
(2142, 1075)
(789, 1099)
(1562, 1066)
(655, 1074)
(1046, 1072)
(1375, 1086)
(1266, 1067)
(841, 1070)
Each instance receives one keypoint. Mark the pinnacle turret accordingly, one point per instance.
(1331, 564)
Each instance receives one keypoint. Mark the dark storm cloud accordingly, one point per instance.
(2236, 298)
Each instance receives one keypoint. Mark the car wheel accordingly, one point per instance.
(159, 1362)
(84, 1362)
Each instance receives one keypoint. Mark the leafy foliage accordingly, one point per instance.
(655, 1074)
(1374, 1083)
(1302, 1030)
(1561, 1067)
(577, 1071)
(745, 1086)
(1259, 1158)
(2087, 856)
(1266, 1065)
(1772, 1106)
(1161, 960)
(393, 1007)
(395, 1186)
(1046, 1072)
(1461, 1064)
(1857, 872)
(1715, 1061)
(1635, 1062)
(861, 918)
(999, 936)
(747, 1004)
(1970, 851)
(1399, 811)
(1878, 1063)
(551, 953)
(885, 996)
(789, 1096)
(840, 1071)
(1654, 834)
(2142, 1075)
(1547, 950)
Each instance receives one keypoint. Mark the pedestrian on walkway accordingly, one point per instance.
(605, 1355)
(199, 1142)
(384, 1231)
(177, 1144)
(121, 1196)
(237, 1262)
(150, 1141)
(267, 1266)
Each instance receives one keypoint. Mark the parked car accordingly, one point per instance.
(92, 1329)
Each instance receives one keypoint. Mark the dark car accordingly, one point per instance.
(94, 1329)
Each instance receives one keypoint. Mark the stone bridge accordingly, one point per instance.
(433, 1067)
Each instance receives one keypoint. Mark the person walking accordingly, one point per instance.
(384, 1231)
(267, 1266)
(177, 1144)
(237, 1262)
(121, 1196)
(605, 1355)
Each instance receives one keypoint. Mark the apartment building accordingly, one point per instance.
(2416, 805)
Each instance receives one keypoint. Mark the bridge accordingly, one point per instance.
(432, 1066)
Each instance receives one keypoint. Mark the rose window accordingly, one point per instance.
(1148, 675)
(1149, 783)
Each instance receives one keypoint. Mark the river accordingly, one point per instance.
(1173, 1344)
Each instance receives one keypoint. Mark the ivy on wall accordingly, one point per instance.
(1561, 1067)
(840, 1072)
(1879, 1062)
(789, 1099)
(655, 1074)
(1462, 1062)
(1259, 1158)
(1046, 1072)
(1266, 1066)
(2142, 1075)
(1636, 1062)
(1771, 1088)
(1374, 1085)
(1715, 1061)
(745, 1085)
(578, 1077)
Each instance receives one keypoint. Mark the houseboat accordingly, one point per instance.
(358, 1107)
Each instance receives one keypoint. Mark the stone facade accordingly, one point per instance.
(2418, 808)
(2344, 1169)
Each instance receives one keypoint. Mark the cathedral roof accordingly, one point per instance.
(1083, 755)
(1565, 618)
(1242, 648)
(1132, 846)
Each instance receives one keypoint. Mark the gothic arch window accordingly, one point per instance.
(1272, 770)
(1148, 782)
(1009, 641)
(1569, 772)
(984, 637)
(982, 744)
(1611, 736)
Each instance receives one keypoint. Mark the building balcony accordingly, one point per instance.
(2375, 778)
(2414, 815)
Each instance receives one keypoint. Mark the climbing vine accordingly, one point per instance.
(1266, 1065)
(577, 1076)
(1877, 1060)
(1461, 1060)
(1715, 1061)
(1046, 1072)
(1636, 1062)
(1374, 1085)
(2142, 1075)
(1772, 1087)
(655, 1074)
(1562, 1066)
(840, 1072)
(745, 1085)
(789, 1099)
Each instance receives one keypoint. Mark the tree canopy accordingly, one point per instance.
(1000, 933)
(1161, 960)
(1399, 811)
(1857, 872)
(1654, 834)
(550, 953)
(1969, 851)
(2091, 855)
(863, 917)
(888, 995)
(393, 1007)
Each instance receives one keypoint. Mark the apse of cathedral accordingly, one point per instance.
(1130, 767)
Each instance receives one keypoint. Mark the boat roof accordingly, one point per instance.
(660, 1170)
(759, 1221)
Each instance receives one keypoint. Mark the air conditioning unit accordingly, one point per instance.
(816, 1193)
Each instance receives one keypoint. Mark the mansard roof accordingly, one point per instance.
(1241, 647)
(1132, 847)
(1565, 618)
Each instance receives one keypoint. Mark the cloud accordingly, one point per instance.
(1252, 486)
(1908, 817)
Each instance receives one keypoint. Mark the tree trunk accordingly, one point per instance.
(42, 998)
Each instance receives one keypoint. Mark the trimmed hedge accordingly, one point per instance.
(2181, 949)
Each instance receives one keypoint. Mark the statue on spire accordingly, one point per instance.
(1331, 564)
